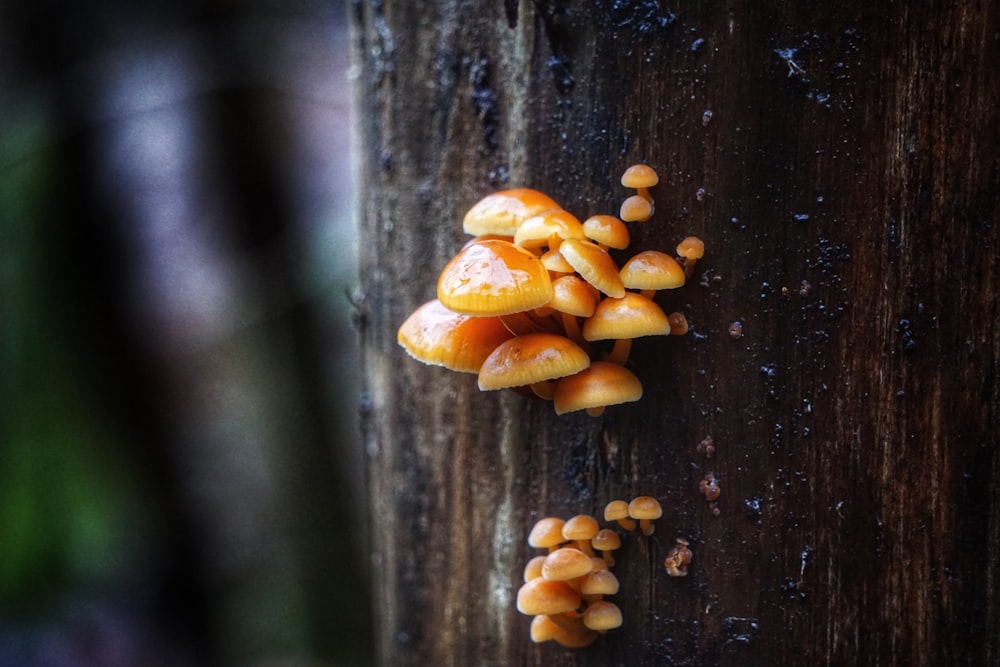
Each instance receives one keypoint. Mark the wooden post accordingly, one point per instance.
(842, 163)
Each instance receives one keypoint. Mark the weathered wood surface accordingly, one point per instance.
(851, 165)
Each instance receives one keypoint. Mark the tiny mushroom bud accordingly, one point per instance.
(566, 563)
(502, 212)
(678, 324)
(691, 249)
(606, 541)
(602, 616)
(544, 596)
(580, 529)
(600, 385)
(645, 509)
(546, 533)
(617, 510)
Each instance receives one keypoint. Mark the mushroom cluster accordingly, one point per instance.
(564, 588)
(536, 302)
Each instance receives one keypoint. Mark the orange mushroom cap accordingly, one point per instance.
(617, 510)
(607, 230)
(652, 270)
(438, 336)
(602, 384)
(546, 533)
(640, 176)
(631, 316)
(594, 265)
(645, 507)
(602, 615)
(691, 247)
(635, 209)
(565, 564)
(531, 358)
(574, 296)
(542, 596)
(599, 582)
(539, 230)
(502, 212)
(494, 277)
(580, 527)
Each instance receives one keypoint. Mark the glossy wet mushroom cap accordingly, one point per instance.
(635, 209)
(493, 277)
(600, 385)
(580, 529)
(566, 563)
(543, 596)
(529, 359)
(622, 320)
(502, 212)
(652, 270)
(617, 510)
(594, 265)
(548, 229)
(438, 336)
(607, 230)
(602, 616)
(640, 176)
(546, 533)
(645, 509)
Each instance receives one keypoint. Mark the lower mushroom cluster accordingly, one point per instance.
(564, 589)
(536, 300)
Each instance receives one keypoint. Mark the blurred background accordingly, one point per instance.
(180, 475)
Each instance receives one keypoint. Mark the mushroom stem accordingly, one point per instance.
(608, 558)
(689, 266)
(644, 193)
(572, 327)
(596, 412)
(626, 523)
(544, 389)
(584, 546)
(619, 353)
(648, 293)
(647, 527)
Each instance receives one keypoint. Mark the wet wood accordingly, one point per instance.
(842, 163)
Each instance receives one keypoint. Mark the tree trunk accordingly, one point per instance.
(842, 163)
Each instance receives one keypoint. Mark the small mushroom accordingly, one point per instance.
(624, 319)
(502, 212)
(602, 616)
(598, 583)
(533, 568)
(641, 177)
(545, 596)
(580, 530)
(573, 297)
(606, 541)
(607, 231)
(617, 510)
(645, 509)
(548, 229)
(494, 277)
(530, 360)
(594, 265)
(691, 249)
(636, 209)
(547, 533)
(678, 324)
(650, 271)
(566, 563)
(601, 384)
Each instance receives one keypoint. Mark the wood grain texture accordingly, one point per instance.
(848, 155)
